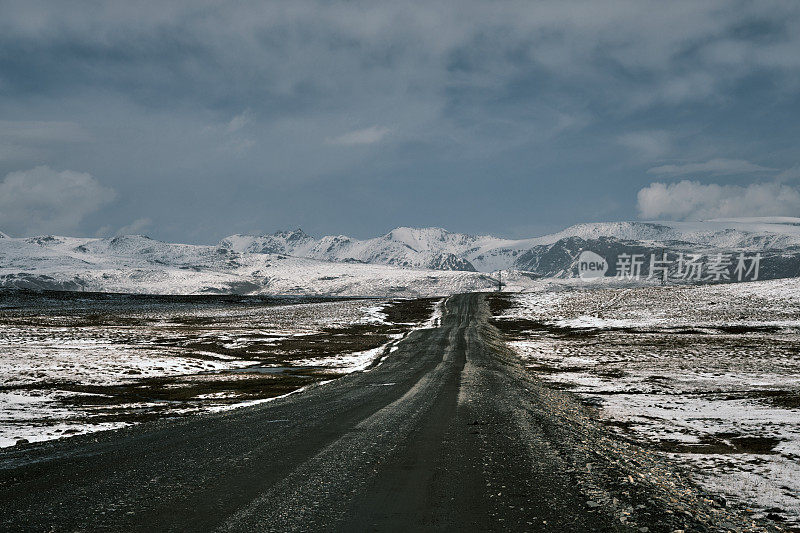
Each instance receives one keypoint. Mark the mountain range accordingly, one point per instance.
(403, 262)
(548, 256)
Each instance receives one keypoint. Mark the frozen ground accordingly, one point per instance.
(709, 375)
(72, 363)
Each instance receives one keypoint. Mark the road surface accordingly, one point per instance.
(449, 432)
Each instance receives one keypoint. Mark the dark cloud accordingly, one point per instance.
(210, 118)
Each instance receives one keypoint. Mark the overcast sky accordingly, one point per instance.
(189, 121)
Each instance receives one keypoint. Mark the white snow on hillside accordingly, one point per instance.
(407, 247)
(138, 264)
(404, 262)
(439, 248)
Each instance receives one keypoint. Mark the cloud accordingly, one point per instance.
(649, 144)
(239, 121)
(135, 227)
(31, 139)
(369, 135)
(790, 174)
(42, 131)
(43, 200)
(238, 145)
(231, 136)
(691, 200)
(717, 167)
(513, 91)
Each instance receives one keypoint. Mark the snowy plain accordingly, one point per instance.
(71, 364)
(710, 375)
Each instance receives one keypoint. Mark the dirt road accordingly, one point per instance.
(449, 432)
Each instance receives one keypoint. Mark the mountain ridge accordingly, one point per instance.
(440, 249)
(403, 262)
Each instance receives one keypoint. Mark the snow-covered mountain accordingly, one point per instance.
(550, 255)
(432, 248)
(138, 264)
(404, 262)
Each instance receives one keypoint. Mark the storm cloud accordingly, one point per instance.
(515, 118)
